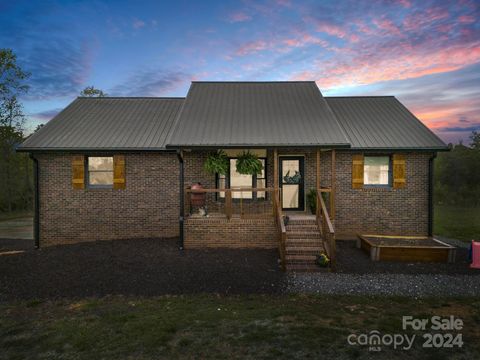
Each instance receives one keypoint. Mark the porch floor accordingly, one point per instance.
(292, 216)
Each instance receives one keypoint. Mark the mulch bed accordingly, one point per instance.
(384, 241)
(353, 260)
(153, 267)
(133, 267)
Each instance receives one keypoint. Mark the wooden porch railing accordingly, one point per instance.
(326, 228)
(281, 228)
(228, 206)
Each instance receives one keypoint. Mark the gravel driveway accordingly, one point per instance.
(357, 274)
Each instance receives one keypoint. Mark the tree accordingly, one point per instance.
(91, 91)
(475, 137)
(16, 187)
(457, 174)
(12, 85)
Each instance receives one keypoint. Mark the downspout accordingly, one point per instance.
(181, 199)
(36, 219)
(430, 193)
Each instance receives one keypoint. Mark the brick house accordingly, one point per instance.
(121, 168)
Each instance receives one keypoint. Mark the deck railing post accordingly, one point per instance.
(228, 203)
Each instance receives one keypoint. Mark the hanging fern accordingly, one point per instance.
(249, 164)
(217, 163)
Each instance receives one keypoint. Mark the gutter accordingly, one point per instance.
(430, 193)
(181, 217)
(36, 219)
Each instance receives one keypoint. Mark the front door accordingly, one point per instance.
(292, 182)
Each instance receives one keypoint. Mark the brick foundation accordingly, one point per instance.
(233, 233)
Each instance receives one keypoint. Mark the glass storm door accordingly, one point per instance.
(291, 182)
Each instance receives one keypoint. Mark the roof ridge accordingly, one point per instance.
(360, 96)
(255, 82)
(134, 97)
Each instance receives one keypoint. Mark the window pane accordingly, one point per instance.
(262, 174)
(290, 196)
(100, 163)
(100, 178)
(239, 181)
(221, 185)
(291, 171)
(376, 169)
(260, 184)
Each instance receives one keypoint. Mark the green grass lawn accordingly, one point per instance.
(205, 327)
(457, 222)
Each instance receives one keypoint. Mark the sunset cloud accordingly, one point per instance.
(425, 52)
(239, 16)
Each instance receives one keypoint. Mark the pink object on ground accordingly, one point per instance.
(475, 255)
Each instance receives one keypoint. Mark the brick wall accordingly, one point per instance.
(233, 233)
(383, 210)
(147, 207)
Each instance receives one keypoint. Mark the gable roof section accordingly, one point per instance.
(236, 114)
(382, 122)
(108, 124)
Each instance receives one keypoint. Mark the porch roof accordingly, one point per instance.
(249, 114)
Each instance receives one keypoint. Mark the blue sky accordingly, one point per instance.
(427, 53)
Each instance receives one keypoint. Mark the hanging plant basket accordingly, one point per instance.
(249, 164)
(216, 163)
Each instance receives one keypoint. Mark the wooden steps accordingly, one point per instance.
(303, 245)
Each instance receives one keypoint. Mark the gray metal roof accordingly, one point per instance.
(382, 122)
(235, 114)
(108, 124)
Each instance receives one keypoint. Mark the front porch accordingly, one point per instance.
(275, 216)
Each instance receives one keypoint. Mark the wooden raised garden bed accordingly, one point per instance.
(406, 248)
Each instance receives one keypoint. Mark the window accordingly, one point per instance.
(100, 171)
(235, 180)
(377, 171)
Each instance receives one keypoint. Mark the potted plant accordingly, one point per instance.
(312, 201)
(322, 260)
(248, 164)
(217, 163)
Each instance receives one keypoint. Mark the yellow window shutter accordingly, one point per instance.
(78, 172)
(119, 172)
(399, 171)
(357, 171)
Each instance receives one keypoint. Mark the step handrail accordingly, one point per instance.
(281, 228)
(326, 229)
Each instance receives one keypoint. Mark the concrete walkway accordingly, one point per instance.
(18, 228)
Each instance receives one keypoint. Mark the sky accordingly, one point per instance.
(426, 53)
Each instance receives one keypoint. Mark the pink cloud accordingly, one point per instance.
(239, 16)
(402, 62)
(419, 21)
(466, 19)
(303, 40)
(405, 3)
(138, 24)
(252, 47)
(280, 45)
(387, 26)
(337, 31)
